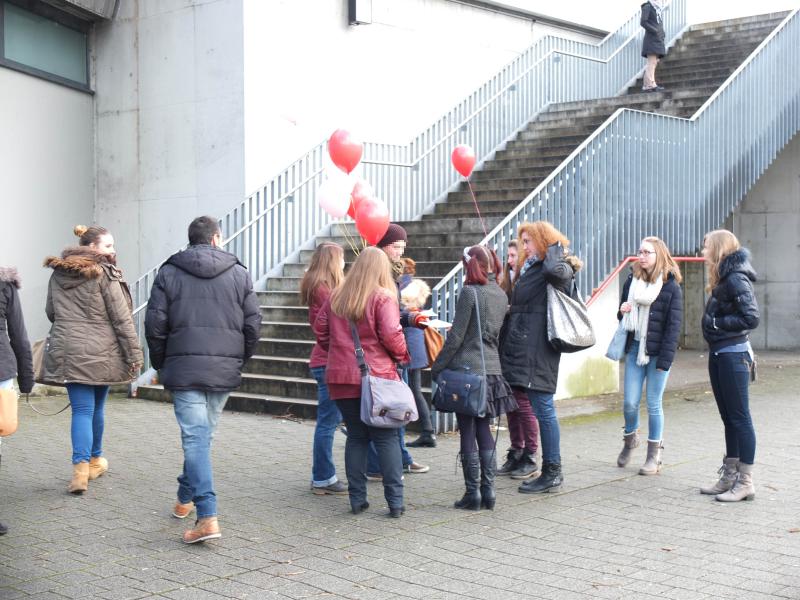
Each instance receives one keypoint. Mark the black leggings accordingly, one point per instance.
(475, 434)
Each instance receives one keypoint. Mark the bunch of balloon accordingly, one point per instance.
(463, 159)
(342, 194)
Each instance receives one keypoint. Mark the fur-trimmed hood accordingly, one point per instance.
(80, 263)
(415, 294)
(10, 275)
(737, 262)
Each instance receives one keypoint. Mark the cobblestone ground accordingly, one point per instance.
(609, 534)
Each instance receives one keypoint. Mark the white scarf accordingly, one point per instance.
(640, 296)
(659, 6)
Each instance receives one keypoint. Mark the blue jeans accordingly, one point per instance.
(549, 433)
(323, 471)
(88, 420)
(359, 437)
(635, 377)
(198, 413)
(730, 381)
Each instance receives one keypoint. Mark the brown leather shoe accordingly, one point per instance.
(80, 478)
(181, 511)
(97, 466)
(206, 528)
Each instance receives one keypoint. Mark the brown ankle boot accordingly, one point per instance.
(727, 477)
(743, 488)
(80, 478)
(206, 528)
(630, 441)
(97, 466)
(653, 463)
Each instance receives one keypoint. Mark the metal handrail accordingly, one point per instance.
(698, 169)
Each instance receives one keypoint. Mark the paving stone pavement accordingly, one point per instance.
(609, 534)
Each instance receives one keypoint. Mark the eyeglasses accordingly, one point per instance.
(645, 252)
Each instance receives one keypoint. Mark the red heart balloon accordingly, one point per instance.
(372, 219)
(463, 158)
(345, 151)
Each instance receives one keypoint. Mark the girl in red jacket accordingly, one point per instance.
(368, 298)
(325, 274)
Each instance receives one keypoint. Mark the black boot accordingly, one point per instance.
(3, 529)
(471, 500)
(549, 481)
(488, 472)
(526, 467)
(426, 440)
(512, 461)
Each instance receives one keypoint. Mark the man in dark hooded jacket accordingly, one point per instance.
(202, 324)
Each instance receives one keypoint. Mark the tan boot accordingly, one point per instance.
(80, 478)
(743, 488)
(97, 466)
(727, 477)
(206, 528)
(653, 463)
(630, 441)
(181, 511)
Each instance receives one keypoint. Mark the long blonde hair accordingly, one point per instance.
(665, 264)
(720, 243)
(325, 269)
(372, 272)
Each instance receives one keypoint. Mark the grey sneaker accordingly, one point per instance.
(337, 489)
(415, 467)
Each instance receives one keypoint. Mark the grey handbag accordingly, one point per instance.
(569, 328)
(385, 403)
(616, 349)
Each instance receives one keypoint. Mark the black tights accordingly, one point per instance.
(475, 434)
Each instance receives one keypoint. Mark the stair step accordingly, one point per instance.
(775, 18)
(285, 314)
(293, 283)
(278, 365)
(279, 298)
(287, 331)
(289, 348)
(428, 240)
(415, 228)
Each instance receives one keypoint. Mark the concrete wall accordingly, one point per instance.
(46, 179)
(768, 223)
(589, 373)
(169, 122)
(307, 72)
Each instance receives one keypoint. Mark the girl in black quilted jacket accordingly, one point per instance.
(731, 313)
(651, 310)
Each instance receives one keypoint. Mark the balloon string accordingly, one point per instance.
(348, 238)
(478, 210)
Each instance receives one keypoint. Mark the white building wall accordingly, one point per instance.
(46, 179)
(169, 122)
(307, 72)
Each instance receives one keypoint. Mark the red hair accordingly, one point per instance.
(477, 269)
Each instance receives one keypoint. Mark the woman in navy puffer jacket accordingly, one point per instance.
(651, 310)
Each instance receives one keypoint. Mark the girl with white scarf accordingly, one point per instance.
(653, 43)
(651, 310)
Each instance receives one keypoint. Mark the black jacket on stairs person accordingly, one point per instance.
(654, 35)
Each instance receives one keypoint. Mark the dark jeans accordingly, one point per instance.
(523, 428)
(359, 436)
(545, 409)
(730, 380)
(415, 383)
(475, 434)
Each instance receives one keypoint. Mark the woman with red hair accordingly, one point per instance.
(462, 350)
(529, 361)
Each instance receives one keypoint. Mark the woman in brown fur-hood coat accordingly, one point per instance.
(92, 343)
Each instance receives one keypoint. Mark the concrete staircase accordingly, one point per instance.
(277, 379)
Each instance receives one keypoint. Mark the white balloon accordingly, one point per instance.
(333, 195)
